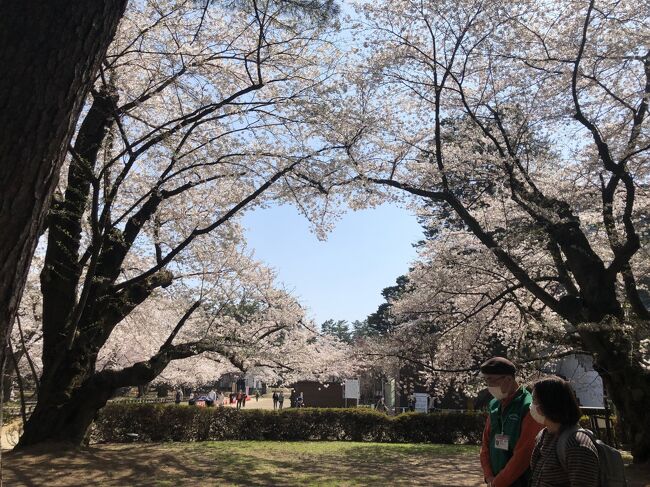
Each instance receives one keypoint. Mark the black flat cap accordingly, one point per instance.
(498, 366)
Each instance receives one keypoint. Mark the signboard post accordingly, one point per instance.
(422, 402)
(389, 395)
(351, 390)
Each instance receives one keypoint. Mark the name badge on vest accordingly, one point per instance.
(501, 441)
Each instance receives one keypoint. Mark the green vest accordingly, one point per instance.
(508, 422)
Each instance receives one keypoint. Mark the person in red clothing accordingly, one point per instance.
(510, 431)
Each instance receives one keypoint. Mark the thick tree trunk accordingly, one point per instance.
(68, 399)
(64, 422)
(71, 393)
(627, 383)
(630, 392)
(61, 270)
(51, 51)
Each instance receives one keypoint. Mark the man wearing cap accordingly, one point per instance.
(509, 434)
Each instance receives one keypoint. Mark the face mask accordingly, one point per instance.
(497, 393)
(536, 415)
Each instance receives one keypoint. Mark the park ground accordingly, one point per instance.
(252, 463)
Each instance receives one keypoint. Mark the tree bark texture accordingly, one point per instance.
(71, 391)
(71, 395)
(8, 380)
(627, 383)
(64, 421)
(51, 52)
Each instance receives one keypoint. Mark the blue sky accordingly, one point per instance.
(342, 277)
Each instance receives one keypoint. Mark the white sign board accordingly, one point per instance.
(587, 384)
(422, 402)
(352, 389)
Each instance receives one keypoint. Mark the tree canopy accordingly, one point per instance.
(517, 131)
(520, 132)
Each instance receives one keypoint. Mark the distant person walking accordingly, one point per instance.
(238, 397)
(411, 402)
(179, 396)
(433, 404)
(257, 396)
(380, 405)
(280, 400)
(212, 398)
(292, 398)
(275, 400)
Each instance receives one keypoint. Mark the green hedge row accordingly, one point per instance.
(155, 422)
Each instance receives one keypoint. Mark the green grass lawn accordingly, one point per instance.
(256, 463)
(339, 463)
(250, 463)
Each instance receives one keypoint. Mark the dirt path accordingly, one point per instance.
(262, 403)
(10, 434)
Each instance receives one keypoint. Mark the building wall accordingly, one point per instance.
(322, 395)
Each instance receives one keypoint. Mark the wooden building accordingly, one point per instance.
(323, 395)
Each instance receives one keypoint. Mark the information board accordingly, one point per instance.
(422, 402)
(352, 389)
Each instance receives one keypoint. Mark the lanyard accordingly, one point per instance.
(501, 417)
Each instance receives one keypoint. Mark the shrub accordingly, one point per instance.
(160, 422)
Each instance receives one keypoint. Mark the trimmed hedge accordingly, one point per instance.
(118, 423)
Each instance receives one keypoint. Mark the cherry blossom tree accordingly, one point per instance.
(51, 53)
(521, 128)
(462, 306)
(245, 323)
(197, 115)
(224, 312)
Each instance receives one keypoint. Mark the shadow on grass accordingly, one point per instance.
(246, 463)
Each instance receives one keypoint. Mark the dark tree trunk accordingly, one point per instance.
(629, 389)
(143, 389)
(8, 382)
(72, 392)
(61, 272)
(10, 373)
(627, 384)
(51, 51)
(66, 421)
(69, 397)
